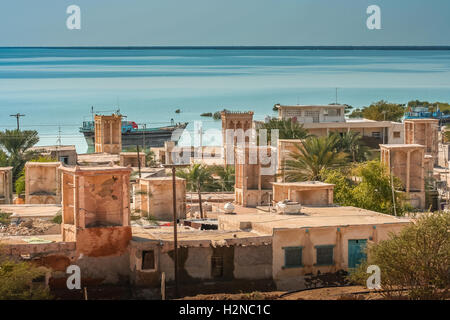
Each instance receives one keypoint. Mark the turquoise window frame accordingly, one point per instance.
(325, 246)
(285, 266)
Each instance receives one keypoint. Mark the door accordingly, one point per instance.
(356, 252)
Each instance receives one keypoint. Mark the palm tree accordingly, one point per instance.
(351, 143)
(310, 157)
(198, 178)
(16, 144)
(287, 129)
(226, 174)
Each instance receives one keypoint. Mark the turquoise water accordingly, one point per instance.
(55, 88)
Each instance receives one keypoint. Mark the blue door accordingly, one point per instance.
(356, 252)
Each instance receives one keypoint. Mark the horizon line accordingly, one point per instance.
(325, 47)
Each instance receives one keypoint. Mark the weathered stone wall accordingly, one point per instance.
(6, 189)
(155, 198)
(42, 183)
(240, 261)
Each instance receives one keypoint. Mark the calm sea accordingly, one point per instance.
(55, 88)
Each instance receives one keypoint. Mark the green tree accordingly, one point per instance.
(383, 110)
(3, 159)
(16, 281)
(287, 129)
(343, 186)
(446, 134)
(312, 156)
(374, 190)
(356, 113)
(226, 175)
(17, 143)
(414, 263)
(351, 143)
(198, 179)
(368, 186)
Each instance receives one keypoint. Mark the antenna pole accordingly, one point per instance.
(17, 116)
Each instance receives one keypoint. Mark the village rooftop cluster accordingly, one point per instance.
(268, 233)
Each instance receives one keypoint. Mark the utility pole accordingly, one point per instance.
(58, 141)
(175, 220)
(17, 116)
(139, 160)
(143, 136)
(336, 95)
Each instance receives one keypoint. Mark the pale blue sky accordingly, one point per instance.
(223, 22)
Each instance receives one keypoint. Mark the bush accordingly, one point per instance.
(57, 218)
(20, 184)
(5, 218)
(414, 263)
(16, 281)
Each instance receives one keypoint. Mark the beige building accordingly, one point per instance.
(423, 132)
(324, 240)
(6, 189)
(108, 133)
(233, 258)
(254, 175)
(64, 154)
(131, 159)
(262, 251)
(96, 209)
(407, 162)
(153, 196)
(42, 183)
(309, 193)
(320, 120)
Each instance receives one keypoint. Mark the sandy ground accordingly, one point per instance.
(340, 293)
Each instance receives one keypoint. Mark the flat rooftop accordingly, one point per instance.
(8, 240)
(87, 158)
(304, 184)
(312, 217)
(402, 146)
(31, 210)
(53, 148)
(188, 236)
(311, 106)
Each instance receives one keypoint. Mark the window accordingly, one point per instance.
(332, 112)
(396, 134)
(64, 159)
(324, 255)
(376, 134)
(148, 260)
(293, 257)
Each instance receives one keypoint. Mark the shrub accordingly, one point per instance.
(16, 281)
(414, 263)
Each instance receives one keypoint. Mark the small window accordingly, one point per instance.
(64, 159)
(148, 260)
(376, 134)
(396, 134)
(324, 255)
(293, 257)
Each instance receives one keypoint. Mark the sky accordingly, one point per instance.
(224, 23)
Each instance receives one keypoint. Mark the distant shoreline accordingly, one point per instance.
(393, 48)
